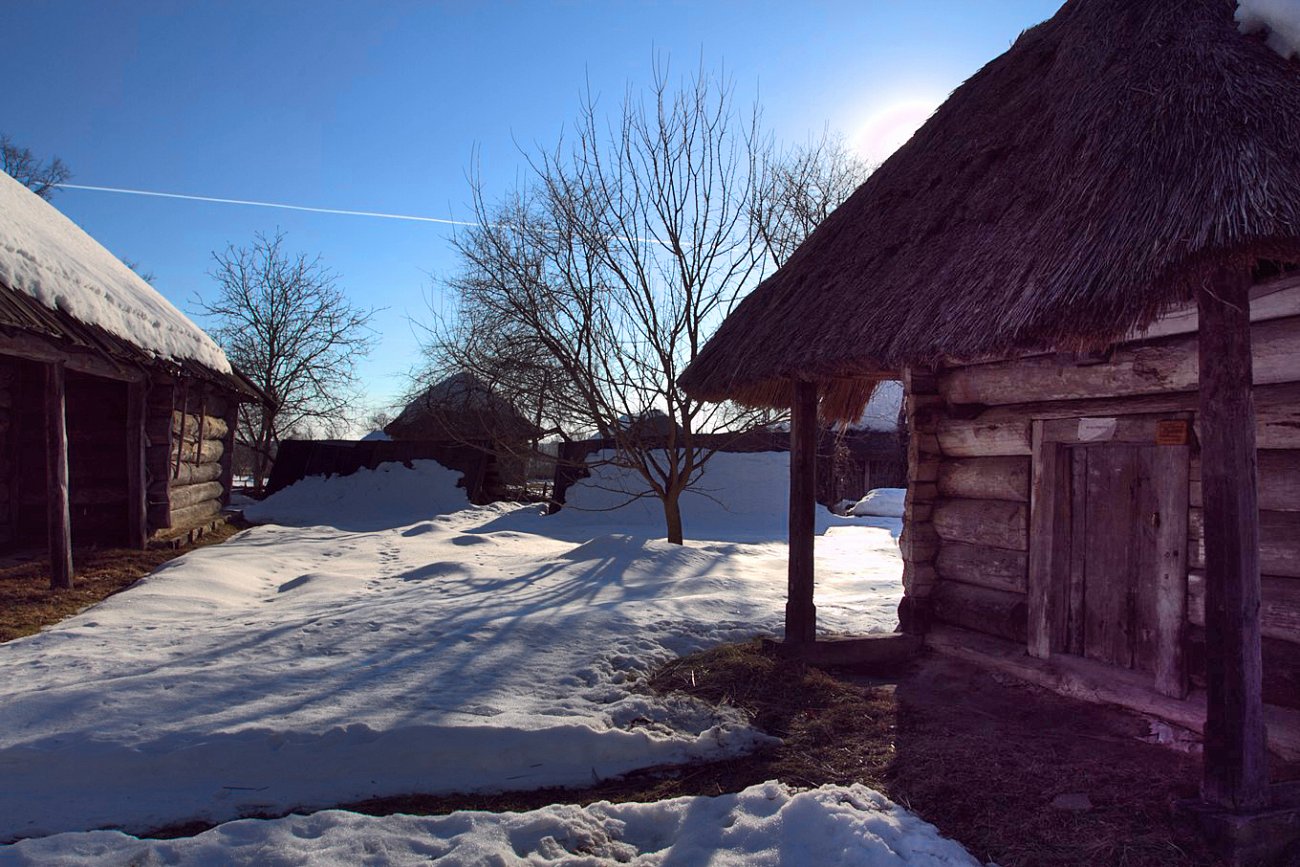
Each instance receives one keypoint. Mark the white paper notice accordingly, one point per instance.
(1093, 430)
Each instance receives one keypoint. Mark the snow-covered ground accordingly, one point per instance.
(833, 826)
(388, 638)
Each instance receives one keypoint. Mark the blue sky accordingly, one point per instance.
(383, 106)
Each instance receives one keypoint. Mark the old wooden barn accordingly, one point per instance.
(116, 411)
(1083, 267)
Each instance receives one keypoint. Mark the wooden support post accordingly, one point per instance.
(800, 612)
(1235, 774)
(56, 478)
(137, 497)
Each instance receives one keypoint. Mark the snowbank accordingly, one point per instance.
(391, 495)
(47, 256)
(881, 503)
(739, 496)
(1281, 18)
(769, 824)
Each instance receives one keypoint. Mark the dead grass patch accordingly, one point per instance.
(27, 604)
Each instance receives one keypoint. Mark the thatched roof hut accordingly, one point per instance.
(462, 408)
(1085, 268)
(1064, 195)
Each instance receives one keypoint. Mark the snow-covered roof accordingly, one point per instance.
(46, 256)
(1280, 18)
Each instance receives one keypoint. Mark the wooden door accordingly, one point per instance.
(1108, 539)
(1108, 595)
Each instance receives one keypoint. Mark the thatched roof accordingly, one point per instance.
(1070, 191)
(463, 408)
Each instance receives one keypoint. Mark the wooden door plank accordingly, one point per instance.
(1075, 600)
(1109, 570)
(1165, 471)
(1042, 541)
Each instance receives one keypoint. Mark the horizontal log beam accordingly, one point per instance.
(1279, 611)
(194, 516)
(1166, 365)
(183, 496)
(1279, 542)
(204, 452)
(994, 523)
(190, 474)
(995, 568)
(992, 612)
(32, 348)
(979, 439)
(1279, 480)
(996, 478)
(189, 425)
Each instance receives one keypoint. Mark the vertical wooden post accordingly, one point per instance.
(1235, 773)
(800, 612)
(137, 497)
(56, 478)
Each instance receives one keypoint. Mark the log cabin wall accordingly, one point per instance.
(8, 483)
(967, 540)
(189, 435)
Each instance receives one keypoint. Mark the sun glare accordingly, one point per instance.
(889, 126)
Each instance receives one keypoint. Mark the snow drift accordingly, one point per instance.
(847, 826)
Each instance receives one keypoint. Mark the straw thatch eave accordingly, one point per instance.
(1069, 192)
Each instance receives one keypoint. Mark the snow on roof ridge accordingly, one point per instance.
(1281, 18)
(47, 256)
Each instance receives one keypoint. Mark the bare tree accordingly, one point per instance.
(287, 325)
(596, 283)
(800, 189)
(42, 178)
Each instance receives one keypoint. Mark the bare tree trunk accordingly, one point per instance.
(673, 516)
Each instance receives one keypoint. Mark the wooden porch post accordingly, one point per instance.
(800, 612)
(1235, 774)
(56, 478)
(137, 496)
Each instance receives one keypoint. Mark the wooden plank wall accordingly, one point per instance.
(969, 502)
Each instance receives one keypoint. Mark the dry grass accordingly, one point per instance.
(27, 604)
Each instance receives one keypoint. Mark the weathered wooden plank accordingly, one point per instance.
(1068, 604)
(1279, 542)
(1232, 355)
(1109, 572)
(1279, 480)
(998, 478)
(1043, 543)
(1162, 578)
(30, 347)
(1168, 364)
(1279, 612)
(992, 612)
(995, 568)
(183, 496)
(57, 499)
(979, 439)
(800, 610)
(995, 523)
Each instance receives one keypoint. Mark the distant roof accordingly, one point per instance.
(460, 406)
(46, 257)
(1070, 191)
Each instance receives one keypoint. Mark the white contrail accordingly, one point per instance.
(409, 217)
